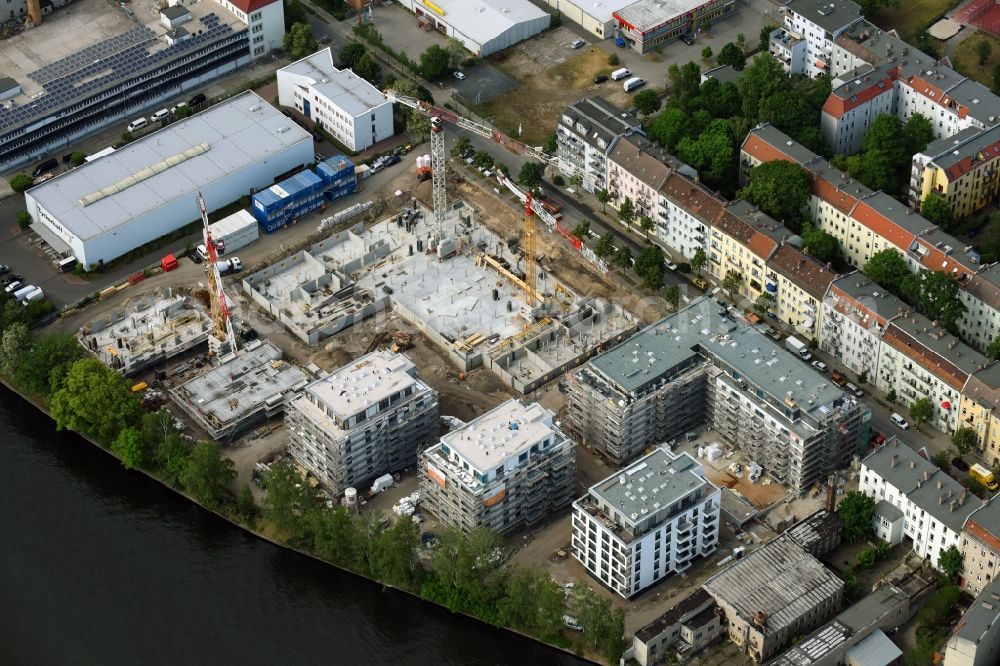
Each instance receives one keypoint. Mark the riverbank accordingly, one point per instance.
(41, 407)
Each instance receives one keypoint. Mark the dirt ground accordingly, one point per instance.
(546, 90)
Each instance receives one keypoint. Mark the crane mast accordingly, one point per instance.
(530, 270)
(222, 333)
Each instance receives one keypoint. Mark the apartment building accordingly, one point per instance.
(852, 107)
(507, 469)
(646, 522)
(962, 169)
(364, 420)
(981, 548)
(856, 312)
(805, 42)
(686, 210)
(800, 282)
(352, 110)
(636, 171)
(707, 365)
(686, 628)
(585, 135)
(975, 640)
(776, 592)
(978, 410)
(935, 505)
(741, 241)
(646, 25)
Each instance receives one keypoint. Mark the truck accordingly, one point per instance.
(983, 476)
(383, 482)
(797, 347)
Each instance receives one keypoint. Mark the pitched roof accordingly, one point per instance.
(809, 274)
(693, 197)
(631, 158)
(859, 92)
(767, 143)
(934, 349)
(248, 6)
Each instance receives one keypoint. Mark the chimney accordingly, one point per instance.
(965, 493)
(927, 475)
(893, 463)
(913, 464)
(954, 503)
(940, 499)
(939, 484)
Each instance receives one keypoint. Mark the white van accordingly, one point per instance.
(634, 83)
(162, 114)
(23, 291)
(620, 74)
(137, 124)
(35, 295)
(899, 421)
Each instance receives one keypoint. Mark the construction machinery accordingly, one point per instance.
(401, 341)
(530, 270)
(222, 340)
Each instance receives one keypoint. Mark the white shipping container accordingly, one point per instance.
(236, 231)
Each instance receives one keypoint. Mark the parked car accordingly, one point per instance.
(46, 166)
(392, 159)
(687, 39)
(194, 256)
(960, 464)
(177, 107)
(700, 282)
(231, 265)
(197, 99)
(899, 421)
(4, 269)
(460, 76)
(13, 286)
(572, 623)
(819, 366)
(600, 78)
(671, 266)
(202, 251)
(577, 44)
(855, 390)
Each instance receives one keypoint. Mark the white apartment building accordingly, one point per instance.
(265, 21)
(339, 101)
(856, 312)
(364, 420)
(685, 212)
(586, 132)
(645, 522)
(507, 469)
(805, 42)
(935, 505)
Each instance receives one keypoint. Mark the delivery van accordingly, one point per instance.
(620, 74)
(983, 476)
(634, 84)
(137, 124)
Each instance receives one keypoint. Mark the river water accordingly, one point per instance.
(99, 565)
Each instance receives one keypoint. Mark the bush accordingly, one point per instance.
(613, 59)
(684, 267)
(558, 180)
(20, 182)
(23, 219)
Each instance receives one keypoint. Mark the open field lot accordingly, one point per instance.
(909, 18)
(967, 59)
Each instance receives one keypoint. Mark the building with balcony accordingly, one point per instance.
(648, 24)
(818, 23)
(774, 593)
(685, 212)
(790, 48)
(852, 107)
(686, 628)
(585, 135)
(645, 522)
(934, 505)
(353, 111)
(509, 468)
(980, 548)
(962, 169)
(637, 169)
(741, 241)
(705, 365)
(978, 410)
(364, 420)
(975, 640)
(798, 282)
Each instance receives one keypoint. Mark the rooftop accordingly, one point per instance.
(830, 15)
(500, 434)
(174, 163)
(651, 483)
(346, 89)
(960, 153)
(688, 606)
(817, 526)
(779, 579)
(364, 383)
(752, 228)
(724, 74)
(984, 524)
(888, 510)
(645, 15)
(935, 349)
(766, 142)
(808, 273)
(483, 20)
(596, 118)
(984, 386)
(876, 649)
(982, 618)
(628, 154)
(864, 294)
(693, 197)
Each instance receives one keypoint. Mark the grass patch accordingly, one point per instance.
(967, 60)
(909, 18)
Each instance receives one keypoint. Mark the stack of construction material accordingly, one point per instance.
(407, 505)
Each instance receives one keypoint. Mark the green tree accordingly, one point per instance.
(950, 561)
(993, 351)
(672, 125)
(392, 554)
(922, 410)
(604, 197)
(48, 354)
(288, 500)
(530, 174)
(626, 211)
(673, 296)
(698, 260)
(649, 266)
(171, 457)
(605, 245)
(942, 460)
(918, 131)
(130, 447)
(182, 112)
(964, 440)
(781, 189)
(870, 7)
(456, 52)
(984, 50)
(818, 243)
(551, 143)
(646, 224)
(741, 42)
(857, 511)
(888, 269)
(23, 219)
(466, 576)
(623, 257)
(603, 628)
(417, 122)
(77, 158)
(582, 230)
(337, 536)
(647, 101)
(887, 136)
(764, 77)
(94, 400)
(369, 69)
(576, 180)
(732, 55)
(936, 294)
(127, 136)
(434, 62)
(483, 160)
(462, 147)
(299, 41)
(731, 283)
(995, 77)
(937, 211)
(20, 182)
(613, 60)
(532, 602)
(706, 53)
(764, 40)
(712, 153)
(245, 507)
(207, 475)
(16, 338)
(684, 80)
(790, 112)
(763, 304)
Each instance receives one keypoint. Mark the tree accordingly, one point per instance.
(576, 180)
(551, 143)
(942, 460)
(51, 353)
(712, 153)
(685, 80)
(781, 189)
(416, 121)
(888, 269)
(886, 135)
(936, 294)
(764, 40)
(649, 266)
(369, 69)
(127, 136)
(130, 447)
(16, 338)
(466, 573)
(993, 351)
(950, 561)
(483, 160)
(299, 41)
(603, 629)
(23, 219)
(77, 158)
(456, 52)
(462, 147)
(434, 62)
(790, 112)
(20, 182)
(763, 304)
(337, 536)
(731, 283)
(671, 125)
(857, 511)
(605, 245)
(937, 211)
(741, 42)
(582, 230)
(351, 53)
(171, 458)
(245, 507)
(698, 260)
(182, 112)
(623, 257)
(288, 500)
(921, 410)
(604, 197)
(532, 602)
(530, 174)
(94, 400)
(818, 243)
(964, 440)
(706, 53)
(918, 131)
(984, 50)
(673, 296)
(392, 553)
(761, 79)
(995, 77)
(732, 55)
(646, 224)
(207, 475)
(647, 101)
(626, 211)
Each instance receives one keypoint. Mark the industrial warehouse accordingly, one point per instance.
(149, 188)
(483, 26)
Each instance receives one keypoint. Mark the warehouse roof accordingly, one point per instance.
(485, 20)
(342, 86)
(644, 15)
(166, 165)
(779, 579)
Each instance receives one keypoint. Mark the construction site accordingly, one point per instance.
(152, 328)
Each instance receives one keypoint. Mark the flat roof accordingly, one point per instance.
(175, 11)
(502, 433)
(874, 650)
(484, 20)
(345, 88)
(831, 15)
(888, 510)
(364, 383)
(779, 579)
(238, 133)
(650, 484)
(648, 14)
(677, 613)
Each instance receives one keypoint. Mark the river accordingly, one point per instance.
(99, 565)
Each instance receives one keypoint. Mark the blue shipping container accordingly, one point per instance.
(287, 201)
(339, 179)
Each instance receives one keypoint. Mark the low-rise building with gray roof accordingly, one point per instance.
(975, 640)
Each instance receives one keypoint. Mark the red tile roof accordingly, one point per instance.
(847, 303)
(692, 197)
(761, 150)
(762, 245)
(251, 5)
(883, 226)
(833, 195)
(963, 166)
(929, 360)
(983, 535)
(837, 106)
(805, 271)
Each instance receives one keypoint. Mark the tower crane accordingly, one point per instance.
(218, 306)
